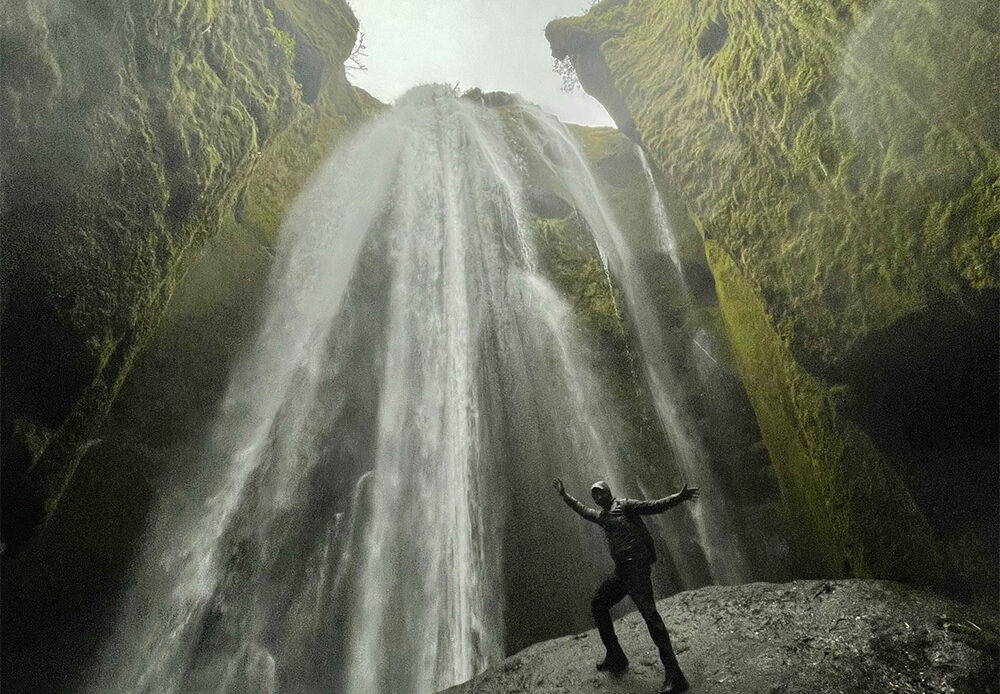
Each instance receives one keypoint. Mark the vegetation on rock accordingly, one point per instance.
(841, 159)
(130, 133)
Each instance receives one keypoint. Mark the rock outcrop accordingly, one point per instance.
(131, 134)
(807, 637)
(840, 160)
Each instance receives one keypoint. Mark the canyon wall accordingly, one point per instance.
(132, 134)
(840, 160)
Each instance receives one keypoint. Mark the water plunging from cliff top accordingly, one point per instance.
(664, 231)
(718, 533)
(416, 383)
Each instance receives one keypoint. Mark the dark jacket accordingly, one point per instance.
(626, 534)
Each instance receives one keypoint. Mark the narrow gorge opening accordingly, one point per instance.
(297, 355)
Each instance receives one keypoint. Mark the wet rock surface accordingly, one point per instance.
(813, 637)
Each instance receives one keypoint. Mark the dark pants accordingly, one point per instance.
(632, 580)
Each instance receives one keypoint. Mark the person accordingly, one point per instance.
(632, 550)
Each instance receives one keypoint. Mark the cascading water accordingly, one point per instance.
(753, 490)
(373, 512)
(658, 211)
(719, 534)
(416, 385)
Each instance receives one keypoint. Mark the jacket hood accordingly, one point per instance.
(600, 484)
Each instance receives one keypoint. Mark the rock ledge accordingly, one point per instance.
(815, 637)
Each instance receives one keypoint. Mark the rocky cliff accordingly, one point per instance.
(840, 160)
(807, 637)
(132, 133)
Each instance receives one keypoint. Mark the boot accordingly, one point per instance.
(674, 683)
(613, 663)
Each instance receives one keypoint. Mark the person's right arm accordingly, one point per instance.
(590, 514)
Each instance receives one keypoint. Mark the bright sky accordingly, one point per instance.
(490, 44)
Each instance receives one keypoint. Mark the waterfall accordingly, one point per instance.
(373, 511)
(719, 534)
(658, 212)
(378, 480)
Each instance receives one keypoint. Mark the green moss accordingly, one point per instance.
(154, 124)
(821, 145)
(572, 35)
(293, 155)
(840, 159)
(568, 255)
(36, 438)
(847, 505)
(214, 310)
(329, 25)
(571, 259)
(598, 143)
(283, 40)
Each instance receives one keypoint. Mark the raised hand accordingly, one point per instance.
(689, 493)
(557, 484)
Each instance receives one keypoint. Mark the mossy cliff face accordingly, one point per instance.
(840, 158)
(131, 134)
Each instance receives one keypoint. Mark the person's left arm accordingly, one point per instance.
(646, 508)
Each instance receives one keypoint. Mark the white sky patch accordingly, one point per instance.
(490, 44)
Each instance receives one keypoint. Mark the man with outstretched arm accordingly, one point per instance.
(632, 550)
